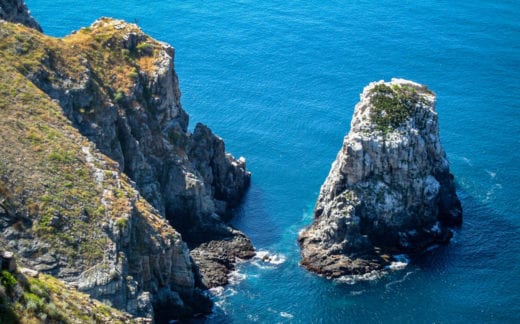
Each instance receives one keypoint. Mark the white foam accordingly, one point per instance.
(266, 257)
(220, 296)
(216, 291)
(390, 284)
(286, 315)
(401, 261)
(353, 279)
(235, 277)
(397, 265)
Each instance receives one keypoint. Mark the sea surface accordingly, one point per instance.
(278, 80)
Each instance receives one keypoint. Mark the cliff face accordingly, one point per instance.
(16, 11)
(96, 164)
(67, 210)
(389, 190)
(132, 111)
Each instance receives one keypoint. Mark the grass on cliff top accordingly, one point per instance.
(45, 299)
(104, 49)
(392, 106)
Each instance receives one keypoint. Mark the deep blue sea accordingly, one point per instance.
(278, 80)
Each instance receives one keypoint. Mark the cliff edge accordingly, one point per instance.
(389, 191)
(101, 184)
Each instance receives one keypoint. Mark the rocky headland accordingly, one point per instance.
(101, 184)
(389, 191)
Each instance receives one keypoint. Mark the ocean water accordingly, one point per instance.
(279, 81)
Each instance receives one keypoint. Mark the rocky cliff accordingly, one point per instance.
(97, 164)
(27, 296)
(389, 190)
(16, 11)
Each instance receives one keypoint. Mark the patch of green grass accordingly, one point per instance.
(392, 106)
(122, 223)
(8, 280)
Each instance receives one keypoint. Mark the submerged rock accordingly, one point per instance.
(389, 190)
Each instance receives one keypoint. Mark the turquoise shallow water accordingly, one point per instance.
(279, 81)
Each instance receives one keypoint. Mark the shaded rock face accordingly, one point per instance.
(388, 191)
(16, 11)
(187, 177)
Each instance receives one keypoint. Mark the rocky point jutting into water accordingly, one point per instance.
(389, 190)
(99, 173)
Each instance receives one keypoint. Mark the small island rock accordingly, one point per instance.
(389, 190)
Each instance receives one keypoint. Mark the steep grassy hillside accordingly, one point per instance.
(66, 208)
(44, 299)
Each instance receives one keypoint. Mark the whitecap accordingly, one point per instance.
(286, 315)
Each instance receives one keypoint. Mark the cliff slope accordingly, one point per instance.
(389, 190)
(96, 164)
(27, 296)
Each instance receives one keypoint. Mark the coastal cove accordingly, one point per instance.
(278, 82)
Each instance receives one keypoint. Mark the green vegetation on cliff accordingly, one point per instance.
(65, 208)
(44, 299)
(52, 182)
(392, 106)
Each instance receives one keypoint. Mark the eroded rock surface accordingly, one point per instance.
(389, 190)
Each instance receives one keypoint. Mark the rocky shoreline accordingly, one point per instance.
(389, 190)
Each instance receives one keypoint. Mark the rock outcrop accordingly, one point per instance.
(389, 190)
(97, 164)
(16, 11)
(27, 296)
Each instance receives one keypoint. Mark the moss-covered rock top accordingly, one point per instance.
(115, 51)
(394, 103)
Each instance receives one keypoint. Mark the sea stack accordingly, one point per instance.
(389, 191)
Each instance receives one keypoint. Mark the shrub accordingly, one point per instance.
(392, 106)
(120, 95)
(8, 280)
